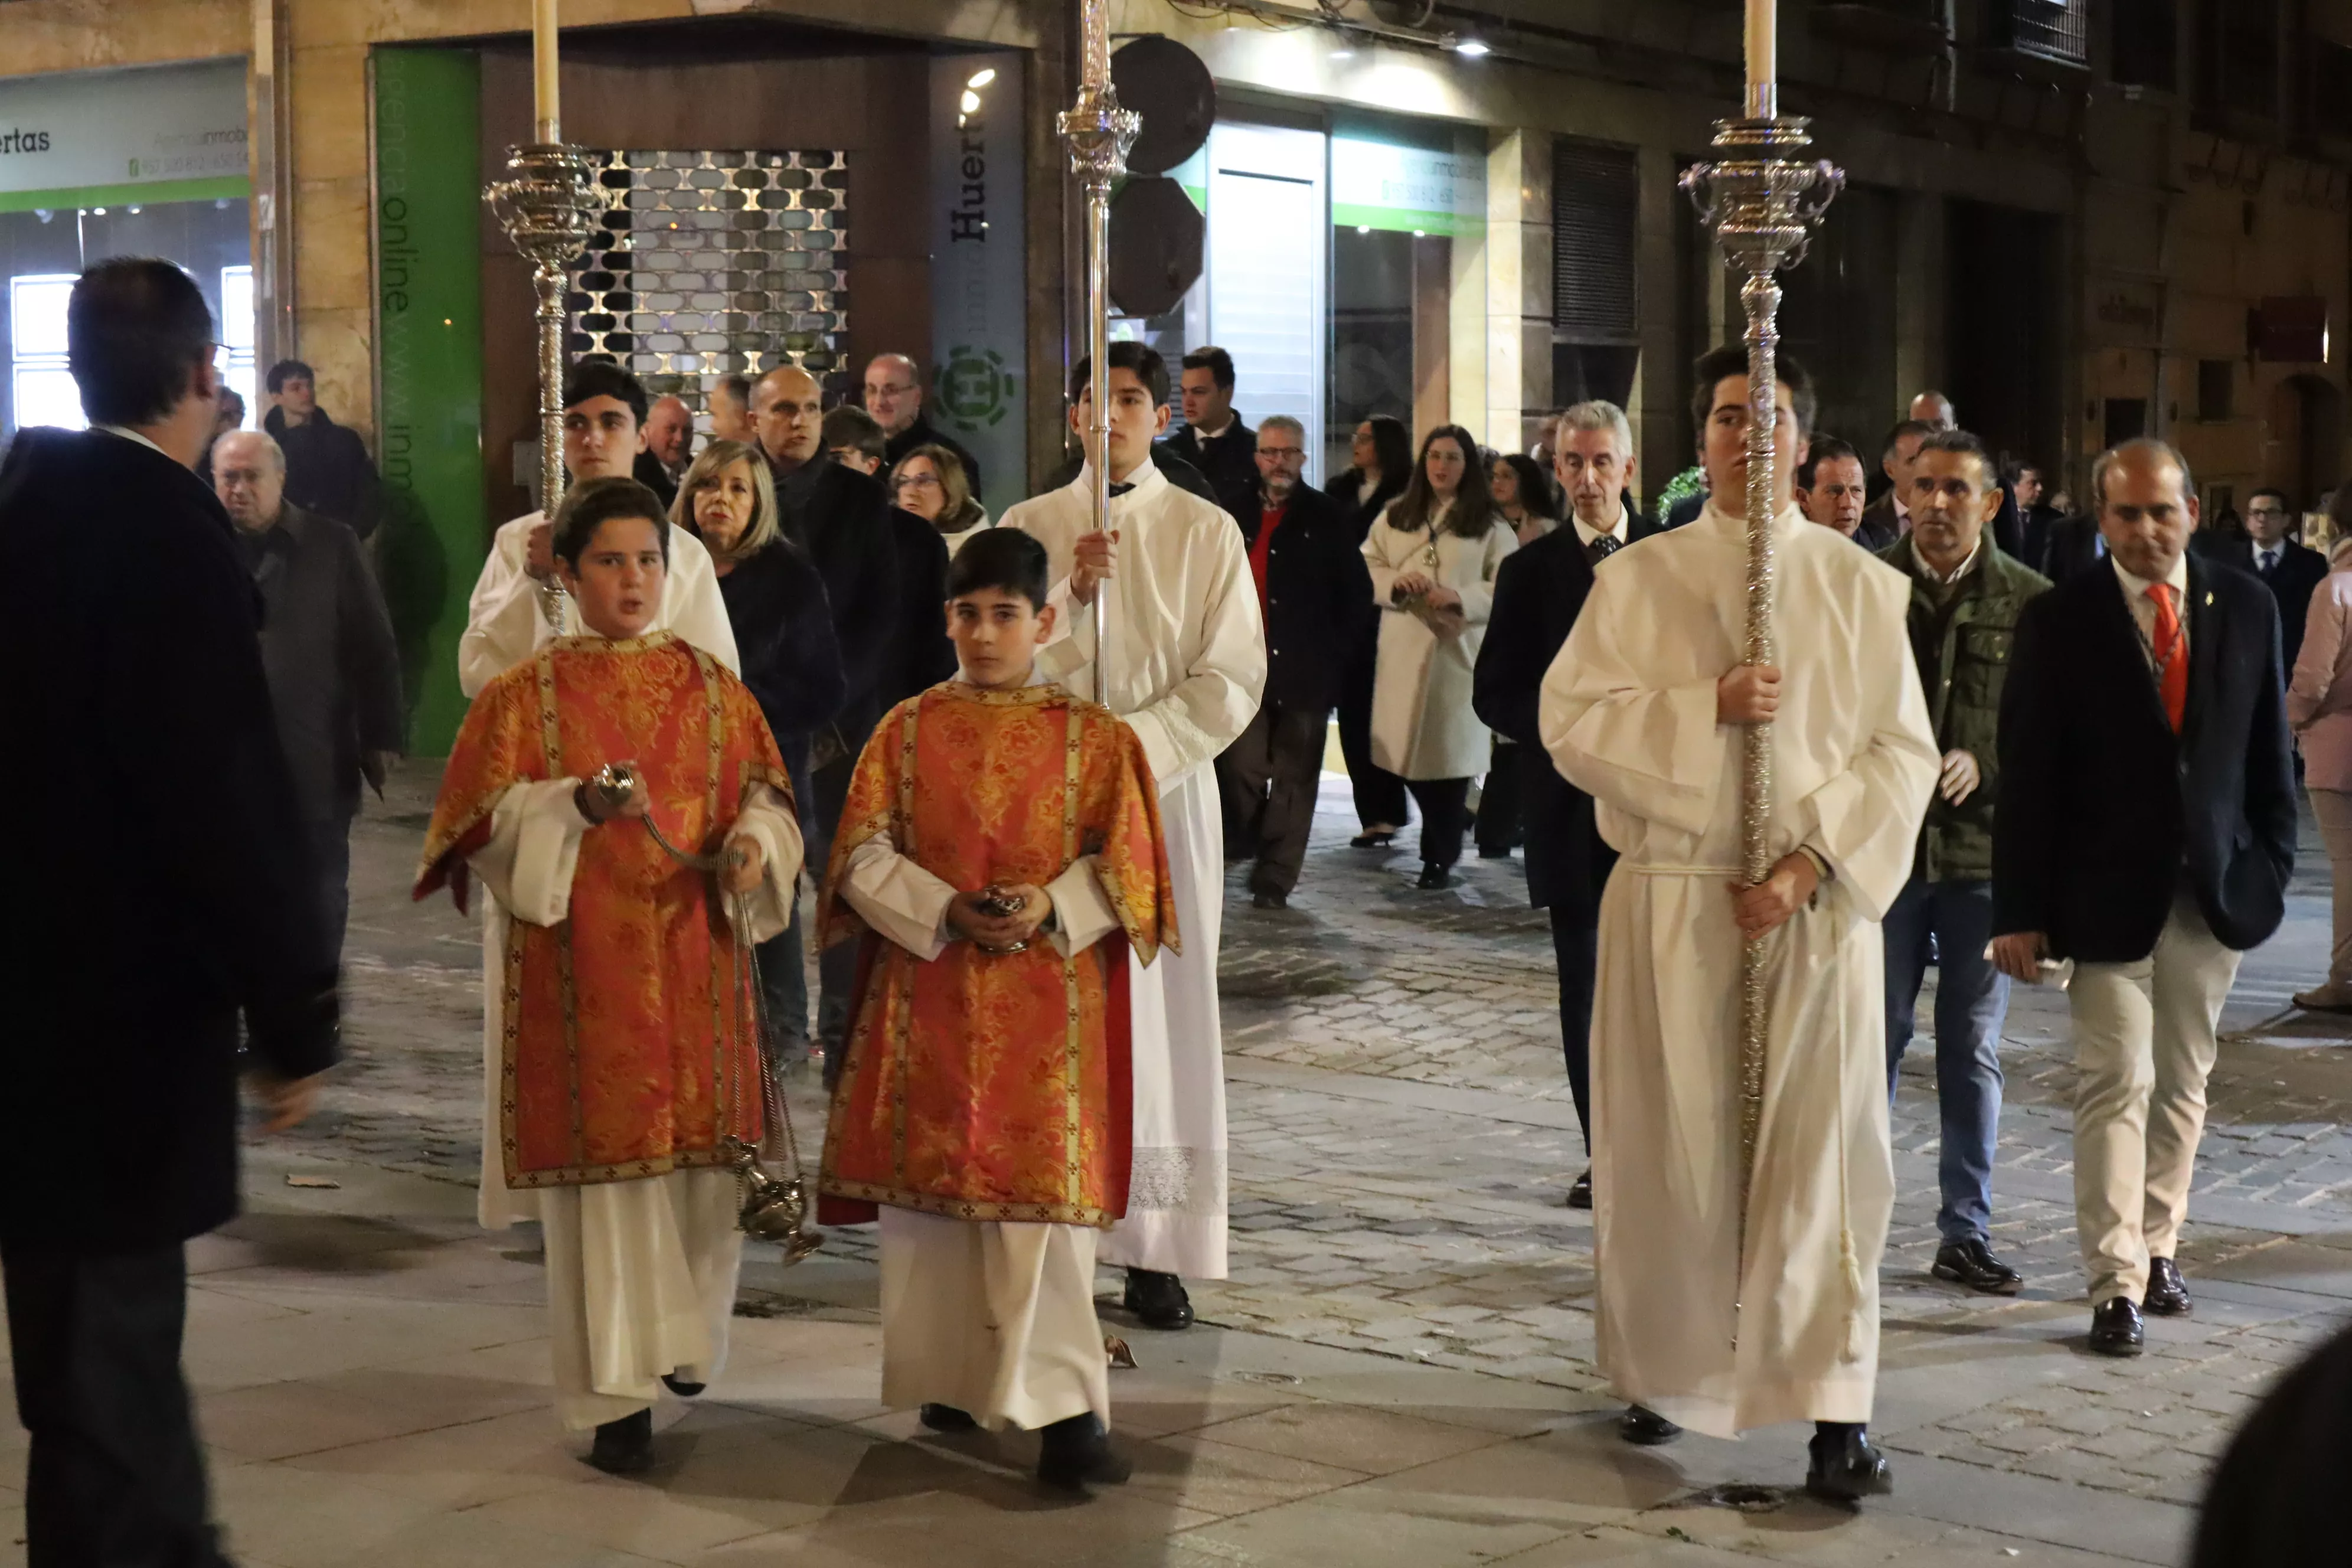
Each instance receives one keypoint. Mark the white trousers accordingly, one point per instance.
(2143, 1043)
(640, 1281)
(996, 1319)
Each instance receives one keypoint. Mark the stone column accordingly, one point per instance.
(1518, 290)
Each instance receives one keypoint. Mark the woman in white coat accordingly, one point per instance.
(1432, 554)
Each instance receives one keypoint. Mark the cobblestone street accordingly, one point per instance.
(1399, 1370)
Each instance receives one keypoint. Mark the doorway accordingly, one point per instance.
(2302, 440)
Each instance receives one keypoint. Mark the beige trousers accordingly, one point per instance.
(2144, 1042)
(996, 1318)
(2334, 809)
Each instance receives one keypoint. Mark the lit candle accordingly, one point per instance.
(546, 88)
(1763, 55)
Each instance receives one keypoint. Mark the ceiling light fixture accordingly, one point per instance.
(1472, 48)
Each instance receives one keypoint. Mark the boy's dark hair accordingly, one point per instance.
(1967, 446)
(1825, 450)
(287, 370)
(595, 378)
(1004, 558)
(1719, 365)
(1215, 361)
(135, 327)
(592, 503)
(857, 429)
(1141, 358)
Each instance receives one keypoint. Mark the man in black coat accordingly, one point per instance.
(1213, 439)
(162, 889)
(896, 399)
(327, 648)
(842, 519)
(328, 470)
(1312, 584)
(2290, 569)
(1538, 593)
(2145, 830)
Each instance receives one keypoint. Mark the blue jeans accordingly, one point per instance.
(1972, 999)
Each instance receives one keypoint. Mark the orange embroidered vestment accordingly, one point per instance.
(628, 1047)
(995, 1085)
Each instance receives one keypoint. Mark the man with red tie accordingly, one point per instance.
(2145, 830)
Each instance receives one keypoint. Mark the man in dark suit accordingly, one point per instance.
(895, 397)
(1538, 593)
(1889, 516)
(1213, 439)
(1830, 489)
(841, 518)
(2035, 517)
(2145, 830)
(177, 893)
(2291, 570)
(1312, 586)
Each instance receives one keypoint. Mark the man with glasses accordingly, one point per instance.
(2289, 569)
(1311, 583)
(894, 395)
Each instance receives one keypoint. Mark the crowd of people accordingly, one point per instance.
(1013, 760)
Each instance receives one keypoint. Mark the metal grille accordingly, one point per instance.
(2054, 29)
(1595, 208)
(711, 263)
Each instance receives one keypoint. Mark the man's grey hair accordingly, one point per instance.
(1283, 422)
(1597, 415)
(2149, 445)
(268, 443)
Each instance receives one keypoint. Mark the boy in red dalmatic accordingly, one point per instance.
(1000, 854)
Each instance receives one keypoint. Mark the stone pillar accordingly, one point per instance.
(1661, 387)
(1518, 290)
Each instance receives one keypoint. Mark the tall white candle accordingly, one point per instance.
(1763, 45)
(546, 88)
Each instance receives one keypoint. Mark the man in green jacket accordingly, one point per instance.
(1965, 599)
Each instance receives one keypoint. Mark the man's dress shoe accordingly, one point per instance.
(1846, 1466)
(1076, 1452)
(1580, 1195)
(2116, 1327)
(1972, 1264)
(946, 1419)
(1157, 1300)
(624, 1448)
(1645, 1429)
(2168, 1292)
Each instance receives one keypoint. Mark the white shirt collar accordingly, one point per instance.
(2135, 588)
(129, 434)
(2262, 550)
(1222, 431)
(1967, 565)
(1587, 533)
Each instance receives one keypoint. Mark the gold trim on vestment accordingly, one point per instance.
(1093, 1218)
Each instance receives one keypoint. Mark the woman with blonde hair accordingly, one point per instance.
(783, 627)
(930, 483)
(1432, 555)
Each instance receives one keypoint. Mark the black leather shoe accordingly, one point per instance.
(2116, 1328)
(1645, 1429)
(680, 1387)
(1434, 874)
(1846, 1466)
(1157, 1300)
(1374, 838)
(1076, 1453)
(946, 1419)
(624, 1448)
(1972, 1264)
(1268, 899)
(1580, 1195)
(2168, 1292)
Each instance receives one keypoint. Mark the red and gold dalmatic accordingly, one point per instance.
(628, 1047)
(995, 1085)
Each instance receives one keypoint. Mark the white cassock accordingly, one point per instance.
(994, 1317)
(1187, 665)
(505, 625)
(640, 1274)
(1629, 715)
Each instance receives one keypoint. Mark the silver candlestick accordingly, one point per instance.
(549, 208)
(1099, 134)
(1763, 200)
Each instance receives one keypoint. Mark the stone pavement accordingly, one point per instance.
(1397, 1371)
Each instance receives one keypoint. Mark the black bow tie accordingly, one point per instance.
(1118, 490)
(1601, 548)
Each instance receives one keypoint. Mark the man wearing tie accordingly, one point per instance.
(2159, 667)
(2291, 570)
(1538, 590)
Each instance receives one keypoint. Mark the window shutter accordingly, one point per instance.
(1595, 207)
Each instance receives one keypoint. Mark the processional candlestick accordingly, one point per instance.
(549, 208)
(1099, 134)
(1763, 199)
